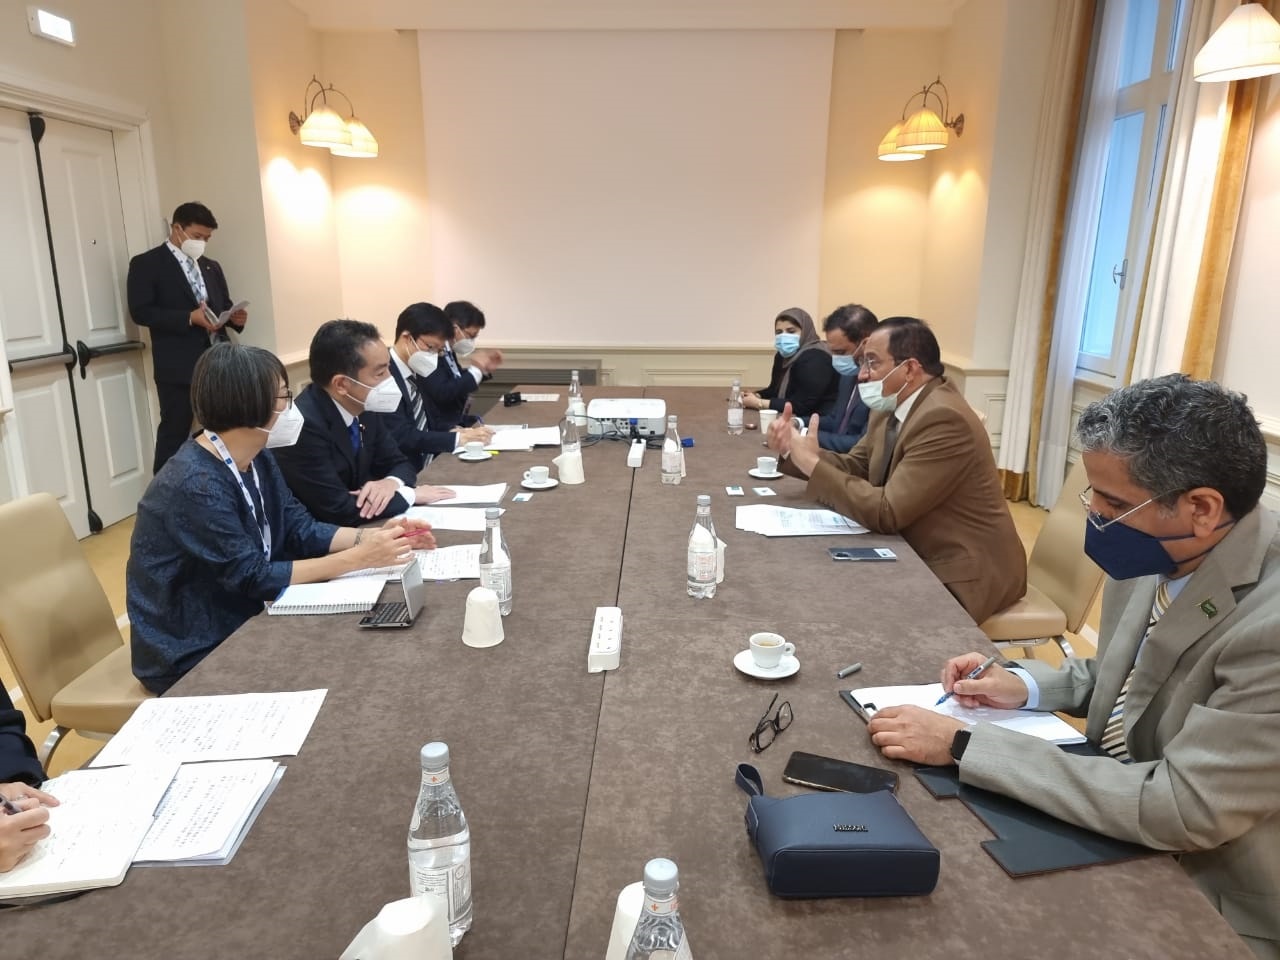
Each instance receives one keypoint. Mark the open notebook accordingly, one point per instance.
(1046, 726)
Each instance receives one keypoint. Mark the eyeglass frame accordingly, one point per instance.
(1093, 515)
(287, 398)
(776, 723)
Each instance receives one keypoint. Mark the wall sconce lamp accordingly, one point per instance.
(324, 127)
(1246, 45)
(924, 130)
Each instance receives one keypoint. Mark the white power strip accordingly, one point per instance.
(635, 456)
(606, 640)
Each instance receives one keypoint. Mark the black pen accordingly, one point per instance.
(9, 806)
(851, 668)
(973, 674)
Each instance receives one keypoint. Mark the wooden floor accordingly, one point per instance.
(108, 552)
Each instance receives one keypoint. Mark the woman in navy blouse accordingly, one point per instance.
(218, 533)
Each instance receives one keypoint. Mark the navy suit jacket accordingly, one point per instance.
(416, 445)
(445, 393)
(829, 435)
(160, 299)
(322, 470)
(17, 753)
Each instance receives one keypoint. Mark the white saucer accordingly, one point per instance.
(472, 459)
(786, 667)
(530, 485)
(765, 476)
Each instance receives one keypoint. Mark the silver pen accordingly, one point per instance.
(973, 674)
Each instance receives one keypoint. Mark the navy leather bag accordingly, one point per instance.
(837, 844)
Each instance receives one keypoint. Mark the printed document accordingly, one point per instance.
(238, 726)
(524, 439)
(773, 521)
(466, 519)
(465, 494)
(539, 397)
(1035, 723)
(459, 562)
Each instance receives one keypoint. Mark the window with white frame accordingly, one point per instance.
(1133, 85)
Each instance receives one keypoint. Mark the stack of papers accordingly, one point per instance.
(467, 519)
(524, 439)
(465, 494)
(461, 562)
(1034, 723)
(773, 521)
(539, 397)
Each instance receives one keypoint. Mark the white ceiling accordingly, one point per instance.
(627, 14)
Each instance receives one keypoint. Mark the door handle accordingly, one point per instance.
(85, 353)
(1119, 273)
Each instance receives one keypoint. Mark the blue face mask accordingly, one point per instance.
(844, 365)
(1125, 552)
(787, 343)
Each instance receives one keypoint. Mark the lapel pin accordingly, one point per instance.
(1208, 609)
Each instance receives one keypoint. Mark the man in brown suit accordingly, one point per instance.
(923, 469)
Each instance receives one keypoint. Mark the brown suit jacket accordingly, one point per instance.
(942, 495)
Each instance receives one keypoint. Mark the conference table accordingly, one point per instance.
(571, 781)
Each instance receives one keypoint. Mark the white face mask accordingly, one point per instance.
(423, 362)
(872, 393)
(284, 432)
(383, 398)
(192, 247)
(464, 346)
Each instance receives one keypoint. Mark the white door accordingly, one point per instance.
(42, 446)
(39, 436)
(89, 248)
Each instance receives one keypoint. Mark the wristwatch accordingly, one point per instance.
(959, 743)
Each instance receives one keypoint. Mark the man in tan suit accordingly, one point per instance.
(923, 469)
(1184, 693)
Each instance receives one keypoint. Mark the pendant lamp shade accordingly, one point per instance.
(1246, 45)
(922, 131)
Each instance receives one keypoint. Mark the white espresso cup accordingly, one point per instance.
(766, 420)
(537, 475)
(767, 649)
(767, 466)
(474, 449)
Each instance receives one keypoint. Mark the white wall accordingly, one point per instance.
(623, 187)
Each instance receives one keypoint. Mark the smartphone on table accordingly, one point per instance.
(861, 553)
(827, 773)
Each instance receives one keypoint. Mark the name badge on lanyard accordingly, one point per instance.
(264, 528)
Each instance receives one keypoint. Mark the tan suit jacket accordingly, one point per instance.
(1202, 724)
(943, 496)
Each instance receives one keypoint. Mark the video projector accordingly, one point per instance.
(609, 416)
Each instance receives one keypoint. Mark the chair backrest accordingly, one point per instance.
(1058, 566)
(55, 619)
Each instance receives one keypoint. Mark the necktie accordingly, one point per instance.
(415, 404)
(1113, 733)
(848, 411)
(194, 278)
(890, 441)
(354, 430)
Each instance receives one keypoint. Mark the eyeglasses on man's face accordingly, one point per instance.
(1100, 522)
(772, 723)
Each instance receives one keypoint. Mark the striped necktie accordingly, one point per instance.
(415, 404)
(1113, 733)
(194, 279)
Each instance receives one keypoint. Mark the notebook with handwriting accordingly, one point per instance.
(357, 595)
(1046, 726)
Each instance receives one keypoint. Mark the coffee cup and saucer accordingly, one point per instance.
(474, 451)
(539, 478)
(766, 468)
(767, 657)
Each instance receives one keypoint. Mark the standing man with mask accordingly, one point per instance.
(172, 289)
(845, 329)
(345, 467)
(923, 469)
(1183, 696)
(447, 391)
(422, 330)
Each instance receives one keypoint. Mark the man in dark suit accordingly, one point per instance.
(346, 468)
(422, 331)
(923, 469)
(845, 329)
(172, 290)
(447, 391)
(20, 771)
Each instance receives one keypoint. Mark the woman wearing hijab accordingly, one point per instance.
(802, 371)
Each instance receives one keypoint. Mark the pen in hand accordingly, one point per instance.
(973, 674)
(9, 806)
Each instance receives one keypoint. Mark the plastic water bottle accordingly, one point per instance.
(577, 405)
(672, 454)
(702, 552)
(570, 438)
(440, 842)
(735, 409)
(495, 560)
(659, 932)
